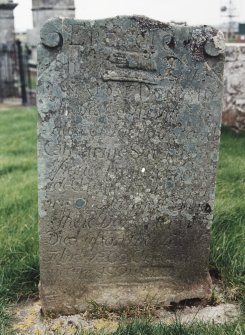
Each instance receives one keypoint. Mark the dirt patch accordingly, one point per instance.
(29, 321)
(10, 103)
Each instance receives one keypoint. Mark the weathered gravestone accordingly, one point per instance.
(129, 125)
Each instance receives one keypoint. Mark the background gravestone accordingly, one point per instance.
(234, 88)
(129, 125)
(7, 50)
(42, 10)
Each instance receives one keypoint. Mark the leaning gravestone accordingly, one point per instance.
(129, 125)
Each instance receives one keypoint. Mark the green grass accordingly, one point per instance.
(19, 266)
(18, 207)
(139, 327)
(228, 233)
(143, 327)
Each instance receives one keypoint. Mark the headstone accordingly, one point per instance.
(234, 92)
(129, 126)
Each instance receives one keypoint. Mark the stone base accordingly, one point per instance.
(117, 296)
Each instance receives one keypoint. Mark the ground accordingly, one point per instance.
(28, 319)
(19, 268)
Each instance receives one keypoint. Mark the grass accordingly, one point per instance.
(146, 328)
(228, 232)
(18, 207)
(139, 327)
(19, 268)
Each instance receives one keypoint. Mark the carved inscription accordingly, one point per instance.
(129, 115)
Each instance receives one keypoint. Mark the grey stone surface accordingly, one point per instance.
(234, 94)
(129, 125)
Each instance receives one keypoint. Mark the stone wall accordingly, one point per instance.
(234, 93)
